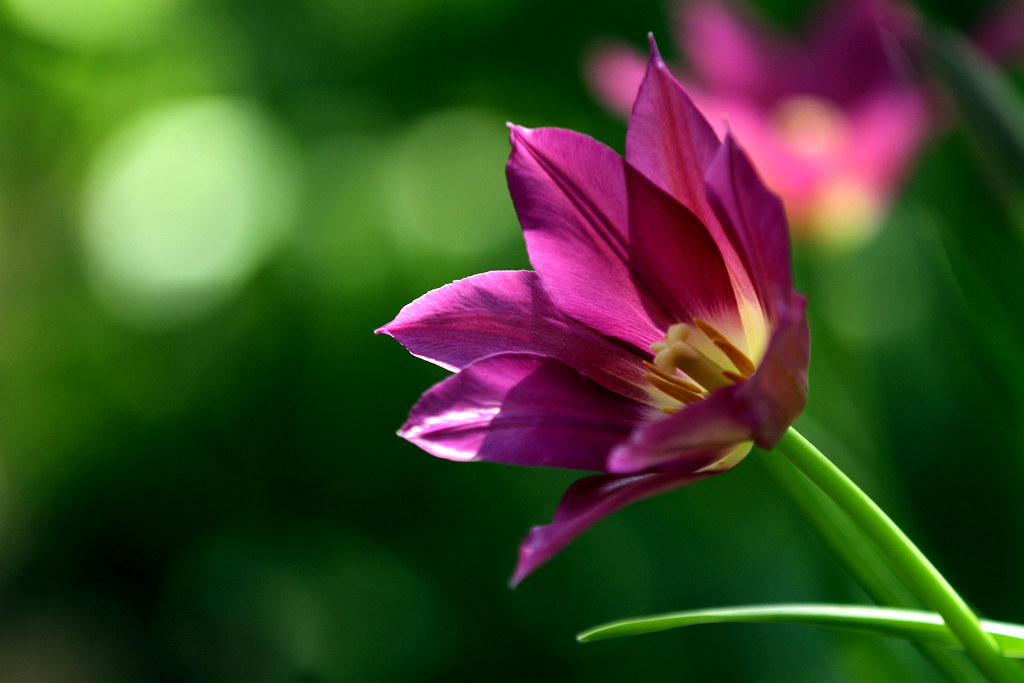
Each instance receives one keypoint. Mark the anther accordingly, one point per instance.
(679, 389)
(744, 366)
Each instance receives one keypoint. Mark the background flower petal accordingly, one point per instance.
(728, 50)
(587, 501)
(523, 410)
(614, 72)
(853, 50)
(506, 312)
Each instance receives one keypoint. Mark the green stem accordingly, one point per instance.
(932, 588)
(861, 558)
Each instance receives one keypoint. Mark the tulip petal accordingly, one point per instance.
(669, 140)
(696, 437)
(675, 255)
(523, 410)
(587, 501)
(754, 220)
(508, 312)
(569, 192)
(775, 395)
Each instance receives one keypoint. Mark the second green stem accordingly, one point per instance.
(931, 586)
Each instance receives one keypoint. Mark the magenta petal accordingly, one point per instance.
(754, 220)
(569, 192)
(586, 502)
(506, 312)
(674, 255)
(692, 439)
(523, 410)
(775, 395)
(669, 140)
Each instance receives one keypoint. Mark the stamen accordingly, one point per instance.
(679, 389)
(744, 366)
(676, 352)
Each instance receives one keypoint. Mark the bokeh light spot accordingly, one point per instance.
(183, 204)
(444, 185)
(86, 24)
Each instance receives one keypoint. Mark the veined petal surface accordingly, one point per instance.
(570, 194)
(508, 312)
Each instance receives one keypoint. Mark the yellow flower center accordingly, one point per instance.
(811, 127)
(701, 353)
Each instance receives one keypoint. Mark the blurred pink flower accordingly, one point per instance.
(831, 123)
(658, 337)
(1000, 32)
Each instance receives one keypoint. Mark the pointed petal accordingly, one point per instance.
(507, 312)
(675, 255)
(586, 502)
(754, 221)
(669, 140)
(569, 192)
(614, 72)
(522, 410)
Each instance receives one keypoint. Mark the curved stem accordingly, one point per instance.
(862, 560)
(931, 587)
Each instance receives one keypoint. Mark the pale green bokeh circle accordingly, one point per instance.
(444, 185)
(183, 204)
(84, 24)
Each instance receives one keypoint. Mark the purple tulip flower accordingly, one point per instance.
(656, 340)
(833, 123)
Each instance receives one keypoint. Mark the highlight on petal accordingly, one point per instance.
(587, 501)
(523, 410)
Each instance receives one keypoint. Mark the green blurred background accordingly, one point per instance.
(207, 207)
